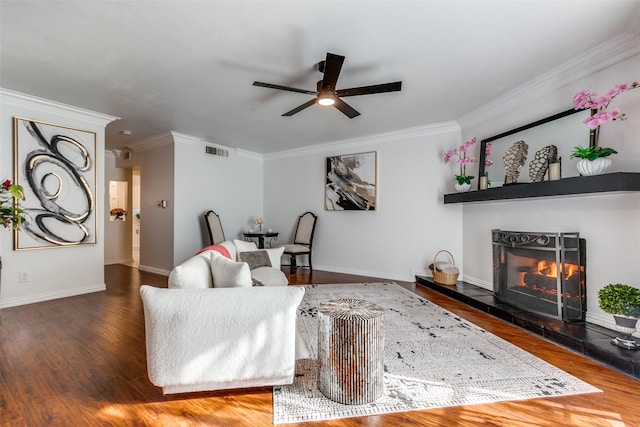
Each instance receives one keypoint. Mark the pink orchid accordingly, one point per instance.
(602, 117)
(488, 148)
(466, 160)
(461, 154)
(583, 100)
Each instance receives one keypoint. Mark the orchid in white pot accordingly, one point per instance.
(594, 158)
(463, 181)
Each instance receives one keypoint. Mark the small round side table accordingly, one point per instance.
(351, 351)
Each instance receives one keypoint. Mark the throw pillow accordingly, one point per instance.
(229, 274)
(194, 273)
(256, 259)
(243, 246)
(275, 255)
(224, 251)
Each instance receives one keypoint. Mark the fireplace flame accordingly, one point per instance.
(550, 269)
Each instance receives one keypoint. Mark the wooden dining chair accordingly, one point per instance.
(303, 240)
(214, 226)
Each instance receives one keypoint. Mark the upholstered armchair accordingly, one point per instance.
(303, 240)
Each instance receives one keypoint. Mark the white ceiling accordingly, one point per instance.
(188, 66)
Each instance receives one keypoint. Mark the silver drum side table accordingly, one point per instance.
(351, 351)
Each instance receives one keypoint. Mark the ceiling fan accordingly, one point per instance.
(326, 93)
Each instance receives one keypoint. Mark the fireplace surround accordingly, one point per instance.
(543, 273)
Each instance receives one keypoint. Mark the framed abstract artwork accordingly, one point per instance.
(55, 165)
(351, 182)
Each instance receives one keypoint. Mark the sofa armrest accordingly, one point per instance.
(220, 338)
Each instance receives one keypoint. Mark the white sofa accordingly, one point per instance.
(211, 339)
(211, 330)
(196, 273)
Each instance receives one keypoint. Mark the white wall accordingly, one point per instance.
(117, 234)
(231, 186)
(55, 272)
(610, 223)
(156, 184)
(411, 223)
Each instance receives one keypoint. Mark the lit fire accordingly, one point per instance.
(550, 269)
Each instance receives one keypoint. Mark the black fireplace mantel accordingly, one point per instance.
(611, 182)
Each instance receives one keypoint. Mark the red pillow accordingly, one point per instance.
(219, 248)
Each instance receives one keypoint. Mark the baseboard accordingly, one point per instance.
(479, 283)
(606, 321)
(153, 270)
(387, 276)
(118, 261)
(47, 296)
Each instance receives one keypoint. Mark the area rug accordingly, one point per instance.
(433, 359)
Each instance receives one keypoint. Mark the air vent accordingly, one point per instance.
(127, 155)
(215, 151)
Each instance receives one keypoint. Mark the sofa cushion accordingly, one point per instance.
(269, 276)
(194, 273)
(229, 274)
(219, 248)
(256, 259)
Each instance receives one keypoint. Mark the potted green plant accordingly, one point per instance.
(11, 215)
(594, 159)
(623, 302)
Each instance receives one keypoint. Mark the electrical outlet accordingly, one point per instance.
(24, 276)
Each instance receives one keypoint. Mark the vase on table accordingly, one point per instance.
(597, 166)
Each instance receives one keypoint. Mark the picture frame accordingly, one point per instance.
(55, 164)
(351, 182)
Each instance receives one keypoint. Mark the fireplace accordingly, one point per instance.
(543, 273)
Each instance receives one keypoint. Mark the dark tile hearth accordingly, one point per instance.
(585, 338)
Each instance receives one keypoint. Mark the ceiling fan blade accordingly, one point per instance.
(347, 109)
(332, 67)
(366, 90)
(290, 89)
(300, 108)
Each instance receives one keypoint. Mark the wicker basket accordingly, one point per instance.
(439, 276)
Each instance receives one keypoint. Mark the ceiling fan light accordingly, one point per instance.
(326, 99)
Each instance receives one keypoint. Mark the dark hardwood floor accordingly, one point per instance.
(80, 361)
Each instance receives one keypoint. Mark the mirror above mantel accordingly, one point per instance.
(565, 130)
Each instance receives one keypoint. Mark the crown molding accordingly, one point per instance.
(184, 138)
(609, 53)
(18, 99)
(249, 154)
(112, 153)
(172, 137)
(151, 142)
(365, 141)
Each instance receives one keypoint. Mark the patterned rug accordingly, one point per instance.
(433, 359)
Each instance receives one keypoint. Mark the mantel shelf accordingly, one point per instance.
(611, 182)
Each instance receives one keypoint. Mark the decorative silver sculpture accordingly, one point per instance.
(514, 158)
(540, 163)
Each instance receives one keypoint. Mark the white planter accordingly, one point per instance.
(594, 167)
(461, 188)
(625, 324)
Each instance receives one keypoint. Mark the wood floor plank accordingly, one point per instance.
(81, 361)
